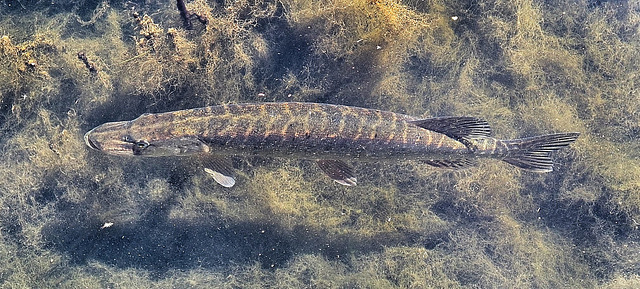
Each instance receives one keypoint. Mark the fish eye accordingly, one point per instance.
(141, 144)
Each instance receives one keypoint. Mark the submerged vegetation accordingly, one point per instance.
(70, 217)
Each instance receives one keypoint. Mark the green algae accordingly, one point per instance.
(527, 67)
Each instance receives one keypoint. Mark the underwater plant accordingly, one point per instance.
(72, 218)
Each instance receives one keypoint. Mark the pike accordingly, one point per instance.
(324, 132)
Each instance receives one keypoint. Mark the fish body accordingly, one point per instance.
(328, 133)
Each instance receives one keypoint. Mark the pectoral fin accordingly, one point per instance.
(339, 171)
(221, 170)
(225, 181)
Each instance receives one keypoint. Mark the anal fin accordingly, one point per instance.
(455, 164)
(339, 171)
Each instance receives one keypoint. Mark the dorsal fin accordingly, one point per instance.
(460, 128)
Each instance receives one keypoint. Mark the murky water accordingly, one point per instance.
(72, 217)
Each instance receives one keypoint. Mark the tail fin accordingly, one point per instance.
(534, 153)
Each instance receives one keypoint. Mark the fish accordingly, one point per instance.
(327, 133)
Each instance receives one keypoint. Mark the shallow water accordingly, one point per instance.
(71, 217)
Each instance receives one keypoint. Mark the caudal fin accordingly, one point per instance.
(534, 153)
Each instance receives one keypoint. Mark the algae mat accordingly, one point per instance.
(74, 218)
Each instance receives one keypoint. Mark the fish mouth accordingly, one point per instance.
(123, 150)
(105, 137)
(89, 142)
(111, 147)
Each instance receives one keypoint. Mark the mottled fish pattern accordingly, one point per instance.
(325, 132)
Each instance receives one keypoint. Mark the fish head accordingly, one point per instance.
(111, 138)
(134, 138)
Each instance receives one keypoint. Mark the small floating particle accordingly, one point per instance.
(454, 18)
(32, 63)
(106, 225)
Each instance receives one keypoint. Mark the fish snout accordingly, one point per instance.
(89, 142)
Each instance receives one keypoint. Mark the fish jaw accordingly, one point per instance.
(110, 138)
